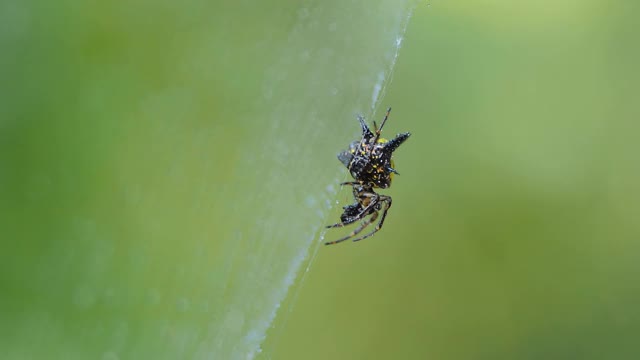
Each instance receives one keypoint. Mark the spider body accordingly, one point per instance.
(370, 162)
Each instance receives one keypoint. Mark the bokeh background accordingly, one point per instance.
(166, 169)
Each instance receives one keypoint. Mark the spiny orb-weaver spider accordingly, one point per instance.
(370, 162)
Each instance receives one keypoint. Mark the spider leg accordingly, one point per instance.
(387, 201)
(350, 183)
(375, 199)
(379, 129)
(351, 220)
(355, 232)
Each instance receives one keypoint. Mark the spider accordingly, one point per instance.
(370, 162)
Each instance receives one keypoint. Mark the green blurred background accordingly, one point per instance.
(166, 169)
